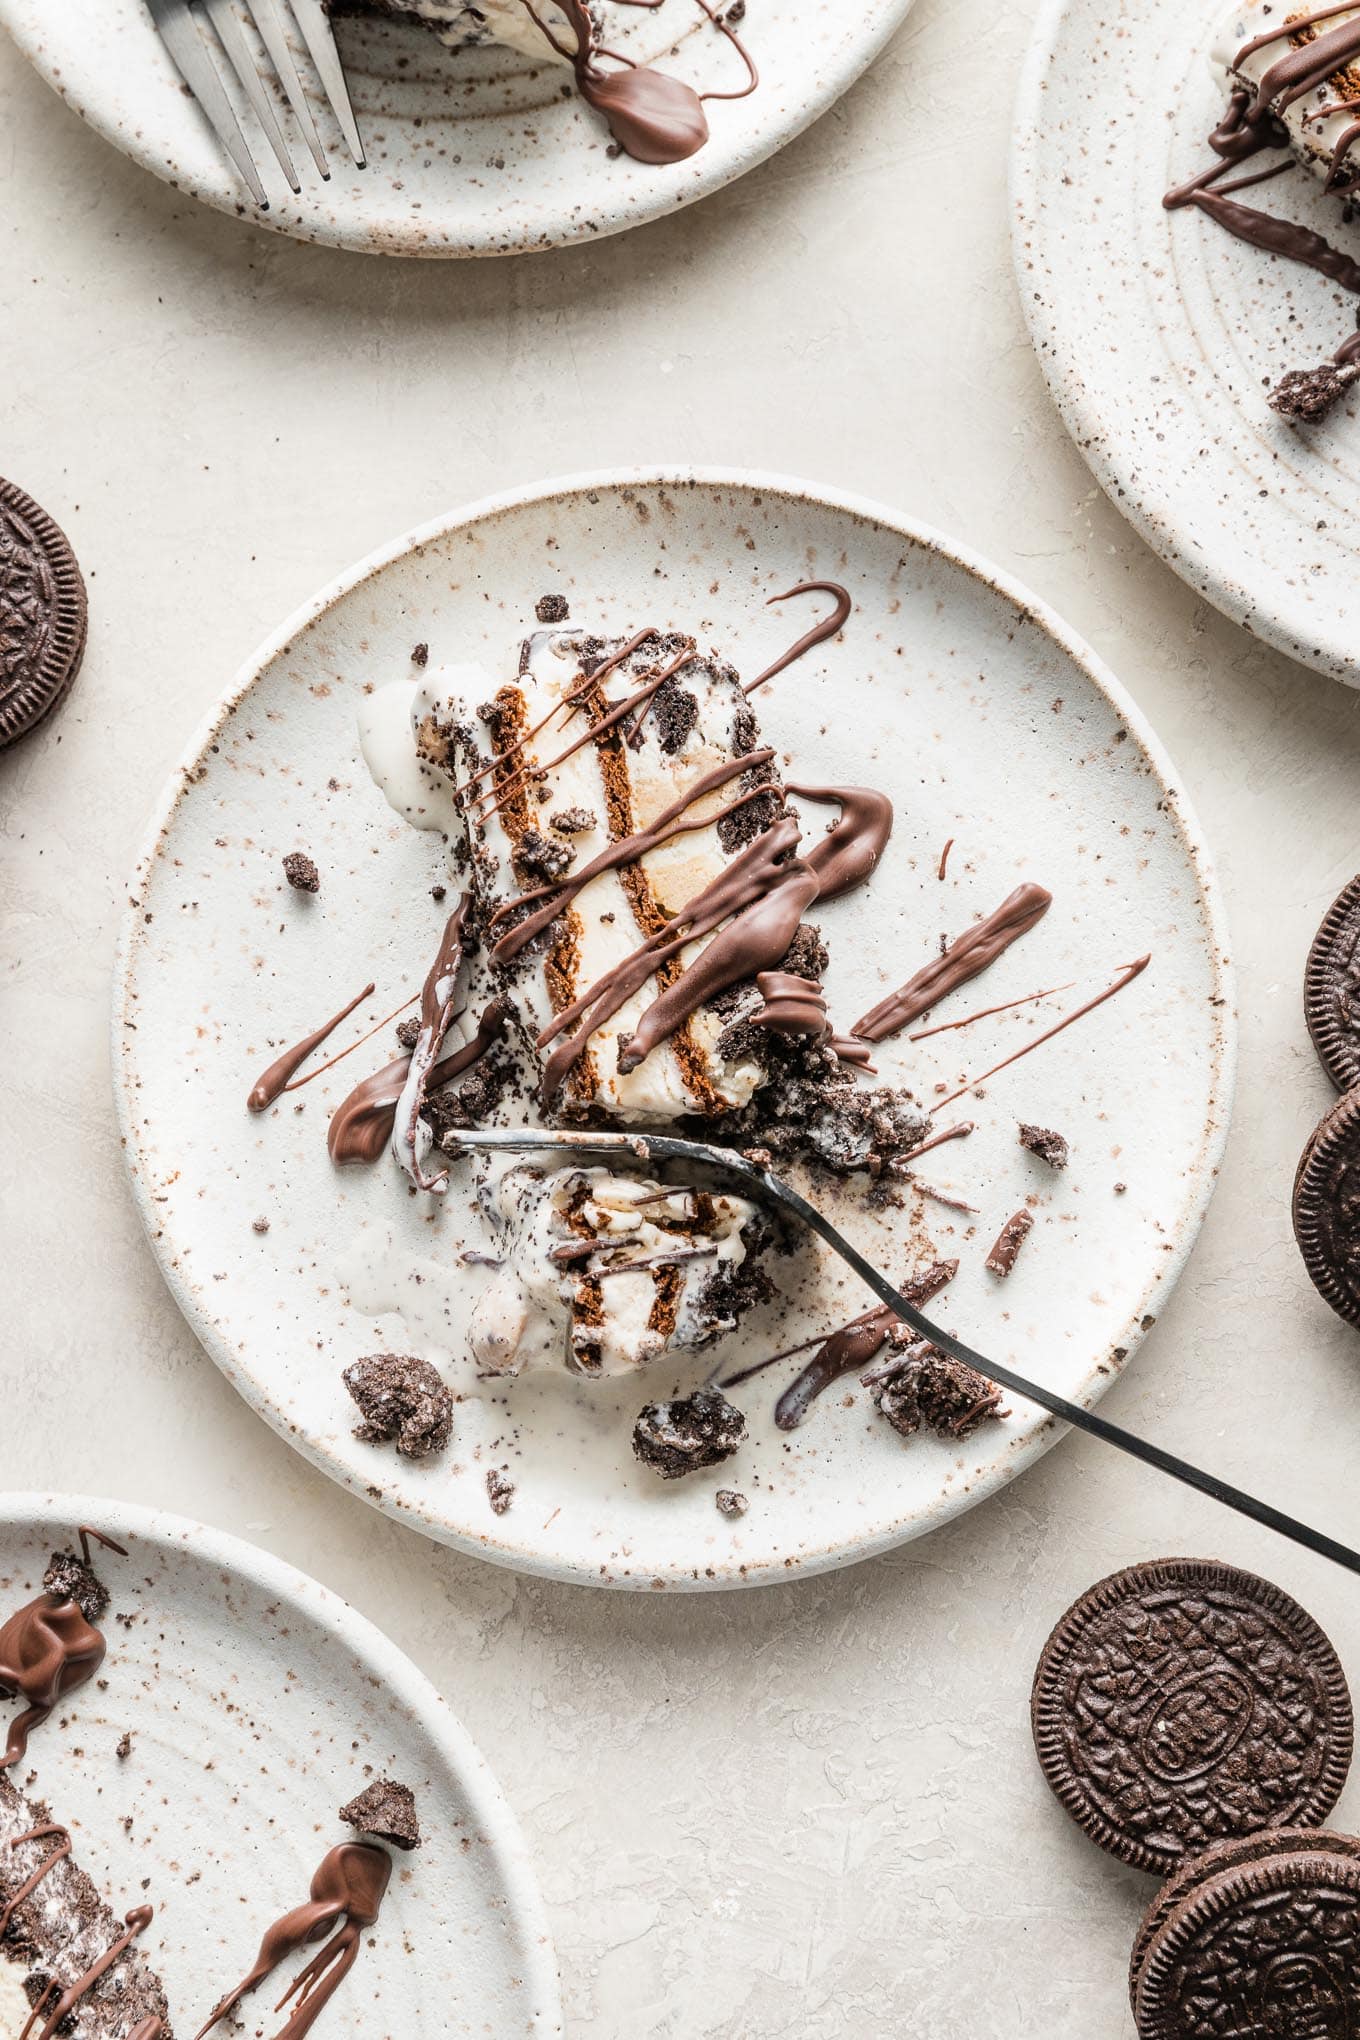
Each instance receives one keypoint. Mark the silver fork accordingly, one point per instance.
(737, 1173)
(194, 54)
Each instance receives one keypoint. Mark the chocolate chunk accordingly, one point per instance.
(1006, 1247)
(500, 1491)
(402, 1398)
(730, 1503)
(420, 655)
(43, 614)
(1331, 989)
(680, 1437)
(408, 1033)
(1182, 1702)
(1050, 1147)
(387, 1810)
(1326, 1207)
(572, 821)
(68, 1578)
(1270, 1947)
(1221, 1856)
(1306, 395)
(540, 859)
(930, 1388)
(301, 873)
(552, 609)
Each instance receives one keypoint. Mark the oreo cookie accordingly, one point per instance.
(1326, 1207)
(1331, 989)
(1270, 1947)
(1228, 1856)
(42, 614)
(1183, 1702)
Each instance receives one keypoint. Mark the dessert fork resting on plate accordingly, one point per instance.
(198, 45)
(737, 1172)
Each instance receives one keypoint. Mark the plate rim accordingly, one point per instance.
(180, 779)
(1204, 568)
(574, 225)
(477, 1784)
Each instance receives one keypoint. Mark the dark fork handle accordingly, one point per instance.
(769, 1189)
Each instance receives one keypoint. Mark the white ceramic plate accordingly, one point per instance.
(1160, 335)
(478, 153)
(988, 723)
(256, 1703)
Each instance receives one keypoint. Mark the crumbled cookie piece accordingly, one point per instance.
(301, 873)
(539, 859)
(1306, 395)
(124, 1749)
(695, 1431)
(408, 1032)
(402, 1398)
(928, 1388)
(387, 1810)
(259, 1225)
(420, 655)
(1050, 1147)
(1006, 1247)
(500, 1491)
(68, 1578)
(572, 821)
(552, 609)
(730, 1503)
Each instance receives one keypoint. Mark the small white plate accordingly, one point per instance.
(950, 688)
(477, 152)
(1160, 334)
(258, 1704)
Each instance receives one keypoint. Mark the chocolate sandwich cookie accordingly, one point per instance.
(1182, 1702)
(1331, 989)
(1228, 1856)
(1327, 1207)
(1271, 1947)
(42, 614)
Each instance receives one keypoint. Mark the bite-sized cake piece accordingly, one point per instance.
(1306, 60)
(61, 1945)
(463, 23)
(605, 1273)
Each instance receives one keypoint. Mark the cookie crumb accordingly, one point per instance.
(259, 1225)
(401, 1398)
(420, 655)
(730, 1503)
(572, 821)
(68, 1578)
(301, 873)
(695, 1431)
(929, 1388)
(500, 1491)
(387, 1810)
(408, 1033)
(552, 609)
(1049, 1146)
(438, 892)
(124, 1749)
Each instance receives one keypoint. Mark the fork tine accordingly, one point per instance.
(232, 37)
(193, 60)
(314, 22)
(265, 15)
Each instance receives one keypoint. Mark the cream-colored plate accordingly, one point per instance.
(257, 1704)
(985, 720)
(479, 152)
(1161, 336)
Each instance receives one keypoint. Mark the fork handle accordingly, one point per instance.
(1072, 1413)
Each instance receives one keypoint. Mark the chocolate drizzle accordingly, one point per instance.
(31, 1883)
(1126, 977)
(848, 853)
(349, 1887)
(361, 1127)
(278, 1077)
(973, 952)
(443, 985)
(51, 1646)
(851, 1349)
(818, 635)
(793, 1005)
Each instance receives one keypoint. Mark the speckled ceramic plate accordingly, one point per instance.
(474, 153)
(1160, 335)
(257, 1704)
(988, 723)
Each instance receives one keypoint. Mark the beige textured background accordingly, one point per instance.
(807, 1812)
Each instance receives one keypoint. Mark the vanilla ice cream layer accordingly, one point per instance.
(603, 1274)
(459, 23)
(15, 2009)
(1312, 140)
